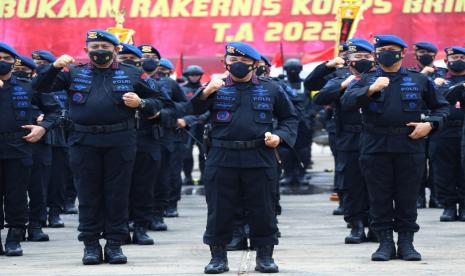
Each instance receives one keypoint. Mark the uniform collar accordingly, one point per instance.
(402, 71)
(229, 81)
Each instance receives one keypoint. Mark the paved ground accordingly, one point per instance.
(312, 244)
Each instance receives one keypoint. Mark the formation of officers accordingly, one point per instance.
(117, 132)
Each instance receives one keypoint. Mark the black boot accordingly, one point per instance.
(434, 203)
(113, 254)
(219, 262)
(387, 249)
(131, 226)
(405, 249)
(12, 243)
(70, 208)
(188, 181)
(35, 233)
(286, 181)
(339, 211)
(140, 236)
(92, 253)
(264, 260)
(171, 212)
(158, 224)
(449, 214)
(461, 212)
(54, 220)
(421, 202)
(357, 233)
(371, 236)
(239, 240)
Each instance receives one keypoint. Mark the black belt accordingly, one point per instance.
(389, 130)
(352, 128)
(11, 136)
(454, 123)
(129, 124)
(237, 144)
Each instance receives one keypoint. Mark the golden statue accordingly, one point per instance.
(123, 34)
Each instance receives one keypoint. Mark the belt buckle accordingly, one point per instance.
(98, 129)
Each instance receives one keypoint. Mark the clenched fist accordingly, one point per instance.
(420, 131)
(212, 87)
(336, 62)
(347, 81)
(272, 140)
(379, 85)
(131, 100)
(63, 61)
(1, 83)
(439, 81)
(427, 70)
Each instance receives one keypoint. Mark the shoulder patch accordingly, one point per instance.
(144, 76)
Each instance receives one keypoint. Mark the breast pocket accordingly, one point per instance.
(377, 103)
(411, 101)
(79, 93)
(223, 109)
(263, 111)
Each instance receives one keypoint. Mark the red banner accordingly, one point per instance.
(200, 28)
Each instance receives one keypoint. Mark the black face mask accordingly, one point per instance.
(161, 74)
(23, 74)
(456, 66)
(101, 57)
(425, 60)
(5, 67)
(362, 66)
(132, 62)
(388, 58)
(149, 65)
(261, 70)
(239, 69)
(293, 75)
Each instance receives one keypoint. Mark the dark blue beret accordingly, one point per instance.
(242, 49)
(44, 55)
(383, 40)
(149, 49)
(8, 49)
(101, 35)
(266, 61)
(360, 45)
(25, 61)
(428, 46)
(343, 47)
(454, 50)
(130, 49)
(166, 63)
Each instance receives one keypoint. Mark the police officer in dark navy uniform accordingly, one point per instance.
(172, 143)
(348, 129)
(446, 146)
(316, 80)
(17, 131)
(425, 54)
(392, 145)
(147, 164)
(24, 69)
(241, 163)
(150, 61)
(104, 96)
(194, 124)
(297, 160)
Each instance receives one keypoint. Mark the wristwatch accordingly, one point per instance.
(142, 103)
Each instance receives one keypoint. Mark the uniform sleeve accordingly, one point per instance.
(200, 106)
(453, 92)
(437, 104)
(318, 77)
(49, 106)
(330, 93)
(155, 99)
(287, 119)
(355, 95)
(51, 79)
